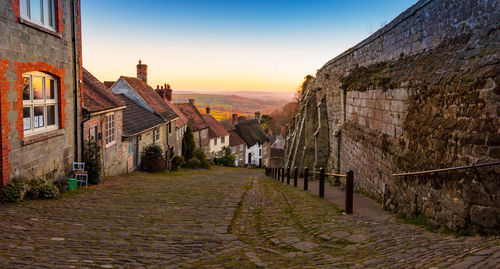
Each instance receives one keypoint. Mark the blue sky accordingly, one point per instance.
(226, 45)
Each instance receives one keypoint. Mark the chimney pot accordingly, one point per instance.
(191, 101)
(235, 118)
(169, 93)
(142, 71)
(208, 110)
(168, 86)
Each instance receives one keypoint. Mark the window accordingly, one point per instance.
(241, 147)
(130, 148)
(215, 141)
(110, 128)
(233, 149)
(223, 140)
(93, 133)
(203, 133)
(260, 152)
(169, 127)
(156, 135)
(39, 103)
(40, 12)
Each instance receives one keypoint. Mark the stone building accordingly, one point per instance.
(238, 147)
(277, 152)
(141, 93)
(197, 123)
(103, 122)
(257, 150)
(419, 94)
(40, 91)
(217, 135)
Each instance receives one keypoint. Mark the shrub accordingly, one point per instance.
(193, 163)
(92, 159)
(227, 160)
(177, 162)
(202, 157)
(13, 192)
(34, 186)
(152, 159)
(188, 145)
(49, 191)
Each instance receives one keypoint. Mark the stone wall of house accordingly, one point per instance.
(421, 93)
(24, 47)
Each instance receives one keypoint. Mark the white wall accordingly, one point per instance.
(212, 148)
(254, 150)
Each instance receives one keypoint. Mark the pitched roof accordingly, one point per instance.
(96, 97)
(215, 129)
(251, 132)
(137, 119)
(109, 84)
(194, 117)
(279, 142)
(235, 139)
(277, 153)
(149, 96)
(182, 118)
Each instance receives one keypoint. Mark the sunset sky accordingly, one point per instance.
(226, 45)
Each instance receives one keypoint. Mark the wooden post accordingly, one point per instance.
(278, 170)
(295, 176)
(322, 183)
(282, 175)
(306, 175)
(349, 192)
(288, 176)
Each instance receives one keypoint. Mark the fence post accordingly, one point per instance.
(274, 173)
(288, 176)
(278, 173)
(306, 175)
(349, 192)
(282, 174)
(322, 183)
(295, 175)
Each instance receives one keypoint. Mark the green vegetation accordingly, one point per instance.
(92, 159)
(152, 159)
(227, 159)
(177, 162)
(188, 144)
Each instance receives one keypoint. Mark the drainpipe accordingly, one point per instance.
(76, 77)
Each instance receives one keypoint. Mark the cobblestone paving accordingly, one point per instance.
(223, 218)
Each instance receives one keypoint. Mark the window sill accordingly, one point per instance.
(110, 144)
(41, 137)
(40, 28)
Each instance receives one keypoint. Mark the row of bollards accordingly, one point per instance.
(278, 173)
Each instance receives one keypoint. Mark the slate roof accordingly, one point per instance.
(251, 132)
(215, 129)
(235, 139)
(96, 97)
(194, 117)
(149, 95)
(137, 119)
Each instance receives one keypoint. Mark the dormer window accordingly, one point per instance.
(39, 103)
(40, 12)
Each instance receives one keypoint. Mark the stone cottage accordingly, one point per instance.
(257, 143)
(197, 123)
(218, 136)
(40, 91)
(102, 122)
(238, 147)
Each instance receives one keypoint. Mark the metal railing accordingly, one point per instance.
(278, 173)
(474, 166)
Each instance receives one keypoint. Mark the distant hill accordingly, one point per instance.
(223, 105)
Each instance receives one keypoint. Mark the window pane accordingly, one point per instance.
(24, 8)
(39, 117)
(37, 88)
(50, 89)
(26, 88)
(36, 10)
(27, 118)
(51, 115)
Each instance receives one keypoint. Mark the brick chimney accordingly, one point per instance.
(257, 116)
(142, 71)
(208, 110)
(191, 101)
(234, 119)
(169, 92)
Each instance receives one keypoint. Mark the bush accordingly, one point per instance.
(177, 162)
(188, 145)
(34, 186)
(227, 160)
(13, 192)
(202, 157)
(49, 191)
(152, 159)
(193, 163)
(92, 159)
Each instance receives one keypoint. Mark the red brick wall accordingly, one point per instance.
(5, 146)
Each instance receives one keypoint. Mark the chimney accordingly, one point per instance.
(169, 92)
(191, 101)
(257, 116)
(142, 71)
(208, 110)
(235, 119)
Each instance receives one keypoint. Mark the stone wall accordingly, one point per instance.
(26, 47)
(421, 93)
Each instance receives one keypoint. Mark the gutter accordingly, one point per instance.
(76, 79)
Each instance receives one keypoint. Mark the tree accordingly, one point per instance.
(92, 159)
(188, 144)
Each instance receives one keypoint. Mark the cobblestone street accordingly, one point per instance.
(222, 218)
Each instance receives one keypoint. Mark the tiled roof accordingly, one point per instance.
(194, 117)
(108, 84)
(137, 119)
(251, 132)
(235, 139)
(149, 95)
(96, 97)
(215, 129)
(182, 118)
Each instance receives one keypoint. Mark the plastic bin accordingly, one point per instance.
(72, 182)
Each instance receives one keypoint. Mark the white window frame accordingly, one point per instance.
(215, 142)
(110, 129)
(223, 140)
(44, 102)
(241, 147)
(233, 150)
(156, 135)
(203, 133)
(46, 6)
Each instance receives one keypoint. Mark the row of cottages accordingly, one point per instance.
(40, 88)
(217, 134)
(249, 143)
